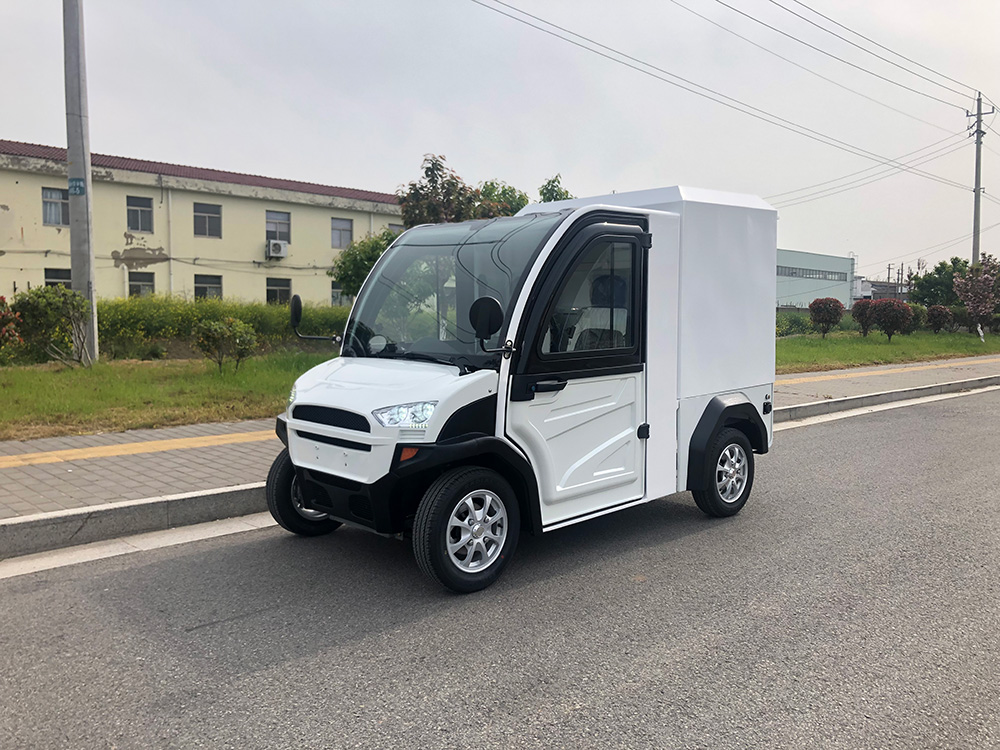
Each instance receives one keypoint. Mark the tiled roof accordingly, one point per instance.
(53, 153)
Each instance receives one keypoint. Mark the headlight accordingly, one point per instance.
(405, 415)
(291, 396)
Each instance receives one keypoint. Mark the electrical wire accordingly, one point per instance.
(866, 169)
(714, 96)
(835, 57)
(882, 46)
(808, 70)
(854, 184)
(863, 49)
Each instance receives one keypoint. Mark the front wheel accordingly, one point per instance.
(284, 500)
(730, 475)
(466, 528)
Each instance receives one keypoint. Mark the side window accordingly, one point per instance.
(594, 308)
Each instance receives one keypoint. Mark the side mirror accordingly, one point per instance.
(296, 310)
(486, 317)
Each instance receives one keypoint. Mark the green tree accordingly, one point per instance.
(53, 324)
(937, 287)
(355, 261)
(552, 190)
(497, 198)
(441, 196)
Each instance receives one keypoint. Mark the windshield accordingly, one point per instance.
(416, 302)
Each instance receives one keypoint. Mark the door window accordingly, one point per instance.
(594, 311)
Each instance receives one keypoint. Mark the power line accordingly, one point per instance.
(866, 180)
(737, 105)
(808, 70)
(874, 54)
(835, 57)
(882, 46)
(862, 171)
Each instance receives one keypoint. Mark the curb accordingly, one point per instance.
(98, 523)
(66, 528)
(817, 408)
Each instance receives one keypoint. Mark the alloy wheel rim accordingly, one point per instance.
(731, 473)
(477, 530)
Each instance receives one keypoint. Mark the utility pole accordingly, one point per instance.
(888, 279)
(978, 133)
(78, 163)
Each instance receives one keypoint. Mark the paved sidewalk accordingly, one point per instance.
(53, 474)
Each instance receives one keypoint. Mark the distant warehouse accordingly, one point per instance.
(171, 229)
(802, 277)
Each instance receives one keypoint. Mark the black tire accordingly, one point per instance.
(280, 501)
(432, 528)
(710, 500)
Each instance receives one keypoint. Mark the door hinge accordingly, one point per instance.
(645, 240)
(643, 432)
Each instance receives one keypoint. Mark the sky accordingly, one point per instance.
(354, 93)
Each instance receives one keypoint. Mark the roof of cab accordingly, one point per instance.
(657, 199)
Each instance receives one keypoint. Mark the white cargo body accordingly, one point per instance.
(537, 371)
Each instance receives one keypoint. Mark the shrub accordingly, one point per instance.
(862, 312)
(790, 323)
(225, 339)
(825, 313)
(53, 323)
(962, 318)
(919, 319)
(9, 322)
(938, 317)
(891, 316)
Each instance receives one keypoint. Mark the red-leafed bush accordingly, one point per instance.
(825, 313)
(9, 322)
(938, 317)
(891, 316)
(862, 314)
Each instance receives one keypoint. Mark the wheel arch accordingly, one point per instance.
(732, 410)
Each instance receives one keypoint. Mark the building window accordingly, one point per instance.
(279, 226)
(811, 273)
(58, 277)
(337, 296)
(397, 228)
(55, 207)
(207, 287)
(341, 232)
(140, 214)
(279, 291)
(140, 283)
(207, 220)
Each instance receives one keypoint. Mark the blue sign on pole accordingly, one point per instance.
(77, 186)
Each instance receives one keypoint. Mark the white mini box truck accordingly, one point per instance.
(525, 373)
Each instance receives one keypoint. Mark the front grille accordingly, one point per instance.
(333, 441)
(327, 415)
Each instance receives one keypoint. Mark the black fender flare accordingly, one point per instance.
(723, 411)
(484, 450)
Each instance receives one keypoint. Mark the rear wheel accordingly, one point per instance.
(730, 475)
(284, 500)
(466, 528)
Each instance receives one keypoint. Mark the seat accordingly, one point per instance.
(604, 324)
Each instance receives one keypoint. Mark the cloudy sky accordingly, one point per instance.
(354, 92)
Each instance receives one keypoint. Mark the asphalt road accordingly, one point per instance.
(854, 603)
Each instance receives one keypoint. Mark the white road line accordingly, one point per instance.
(881, 407)
(19, 566)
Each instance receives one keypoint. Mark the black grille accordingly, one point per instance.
(333, 417)
(334, 441)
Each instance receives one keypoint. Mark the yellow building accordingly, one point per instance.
(172, 229)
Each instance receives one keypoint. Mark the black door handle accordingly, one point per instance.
(549, 386)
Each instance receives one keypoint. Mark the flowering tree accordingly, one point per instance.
(9, 321)
(977, 289)
(825, 313)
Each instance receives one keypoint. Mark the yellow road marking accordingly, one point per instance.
(892, 371)
(131, 449)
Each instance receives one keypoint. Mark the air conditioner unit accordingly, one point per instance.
(276, 249)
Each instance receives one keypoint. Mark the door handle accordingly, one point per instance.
(549, 386)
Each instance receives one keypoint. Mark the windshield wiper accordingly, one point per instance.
(463, 367)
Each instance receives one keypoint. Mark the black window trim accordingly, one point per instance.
(589, 229)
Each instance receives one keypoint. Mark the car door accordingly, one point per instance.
(577, 395)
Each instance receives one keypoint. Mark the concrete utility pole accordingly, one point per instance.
(979, 133)
(78, 162)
